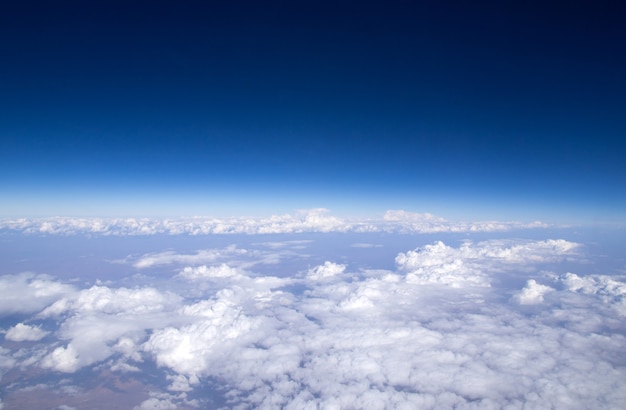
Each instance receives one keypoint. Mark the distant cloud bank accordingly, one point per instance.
(312, 220)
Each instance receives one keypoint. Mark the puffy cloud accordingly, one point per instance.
(533, 293)
(62, 359)
(103, 321)
(366, 245)
(154, 403)
(605, 288)
(327, 270)
(165, 401)
(190, 349)
(312, 220)
(27, 292)
(208, 272)
(437, 331)
(470, 264)
(106, 300)
(22, 332)
(386, 340)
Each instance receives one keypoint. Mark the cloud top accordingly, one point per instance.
(437, 330)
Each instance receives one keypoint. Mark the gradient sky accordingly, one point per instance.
(490, 110)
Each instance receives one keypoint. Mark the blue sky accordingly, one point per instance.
(503, 111)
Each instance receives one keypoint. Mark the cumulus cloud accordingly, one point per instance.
(436, 331)
(6, 360)
(208, 272)
(472, 263)
(386, 341)
(327, 270)
(22, 332)
(165, 401)
(533, 293)
(311, 220)
(102, 299)
(102, 321)
(63, 359)
(609, 290)
(28, 292)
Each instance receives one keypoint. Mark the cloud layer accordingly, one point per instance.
(441, 330)
(312, 220)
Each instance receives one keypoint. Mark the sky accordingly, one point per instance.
(309, 204)
(486, 111)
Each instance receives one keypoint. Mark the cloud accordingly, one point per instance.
(102, 299)
(7, 362)
(165, 401)
(403, 221)
(389, 341)
(470, 264)
(28, 292)
(533, 293)
(21, 332)
(438, 330)
(327, 270)
(208, 272)
(311, 220)
(102, 321)
(201, 256)
(609, 290)
(63, 359)
(366, 245)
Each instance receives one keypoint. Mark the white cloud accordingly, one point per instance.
(533, 293)
(154, 403)
(438, 331)
(608, 289)
(208, 272)
(28, 292)
(102, 321)
(325, 271)
(366, 245)
(179, 383)
(22, 332)
(62, 359)
(311, 220)
(471, 264)
(201, 256)
(113, 301)
(190, 349)
(381, 341)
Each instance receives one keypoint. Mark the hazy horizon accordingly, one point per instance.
(312, 205)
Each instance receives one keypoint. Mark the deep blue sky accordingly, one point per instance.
(230, 107)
